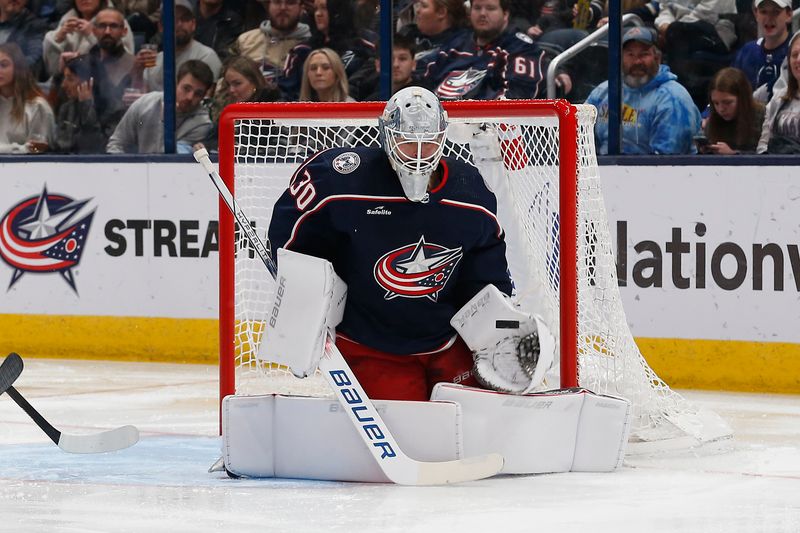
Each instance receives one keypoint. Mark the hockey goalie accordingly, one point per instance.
(400, 255)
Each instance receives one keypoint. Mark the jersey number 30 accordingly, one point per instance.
(302, 190)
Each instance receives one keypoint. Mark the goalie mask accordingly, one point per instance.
(413, 128)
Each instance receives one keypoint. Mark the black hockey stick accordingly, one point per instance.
(369, 424)
(10, 371)
(107, 441)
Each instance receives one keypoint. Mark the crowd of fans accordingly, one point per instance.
(86, 76)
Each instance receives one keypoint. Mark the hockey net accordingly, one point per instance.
(550, 202)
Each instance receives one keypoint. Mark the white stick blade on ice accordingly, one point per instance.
(107, 441)
(462, 470)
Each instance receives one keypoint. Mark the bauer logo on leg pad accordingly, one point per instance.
(360, 411)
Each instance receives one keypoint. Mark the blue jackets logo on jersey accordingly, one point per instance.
(460, 83)
(417, 270)
(40, 235)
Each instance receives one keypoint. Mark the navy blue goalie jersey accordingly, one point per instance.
(409, 266)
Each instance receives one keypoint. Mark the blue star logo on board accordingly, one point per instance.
(45, 234)
(417, 270)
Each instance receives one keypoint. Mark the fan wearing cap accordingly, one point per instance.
(186, 48)
(761, 59)
(658, 115)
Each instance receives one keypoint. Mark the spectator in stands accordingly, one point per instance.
(734, 124)
(27, 125)
(19, 25)
(524, 15)
(186, 48)
(688, 26)
(492, 61)
(697, 37)
(78, 129)
(253, 12)
(50, 11)
(780, 133)
(403, 67)
(367, 15)
(75, 34)
(108, 67)
(141, 129)
(553, 15)
(333, 27)
(270, 43)
(244, 82)
(143, 17)
(218, 26)
(241, 81)
(761, 59)
(109, 53)
(436, 22)
(647, 10)
(658, 116)
(324, 78)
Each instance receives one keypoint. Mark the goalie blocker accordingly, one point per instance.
(309, 438)
(309, 302)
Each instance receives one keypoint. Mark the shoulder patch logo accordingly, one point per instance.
(524, 37)
(346, 163)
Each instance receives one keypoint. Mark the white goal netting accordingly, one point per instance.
(265, 152)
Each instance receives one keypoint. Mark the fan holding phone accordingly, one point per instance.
(734, 124)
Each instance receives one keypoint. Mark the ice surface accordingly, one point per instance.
(162, 484)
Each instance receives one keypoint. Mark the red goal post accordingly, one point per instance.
(563, 111)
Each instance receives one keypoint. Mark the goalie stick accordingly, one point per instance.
(395, 464)
(107, 441)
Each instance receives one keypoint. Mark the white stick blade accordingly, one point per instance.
(469, 469)
(107, 441)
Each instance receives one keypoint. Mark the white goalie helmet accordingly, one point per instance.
(413, 129)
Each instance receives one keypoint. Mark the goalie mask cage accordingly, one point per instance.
(549, 201)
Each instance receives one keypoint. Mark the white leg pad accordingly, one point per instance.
(247, 423)
(603, 431)
(554, 431)
(534, 433)
(312, 438)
